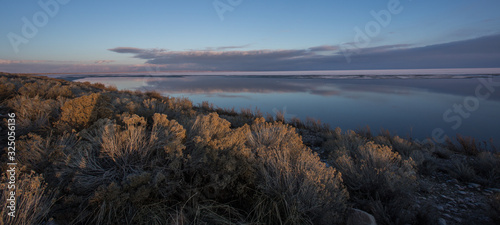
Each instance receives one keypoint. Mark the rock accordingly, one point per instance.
(452, 181)
(440, 208)
(360, 217)
(462, 192)
(447, 216)
(448, 198)
(493, 190)
(441, 221)
(474, 185)
(487, 192)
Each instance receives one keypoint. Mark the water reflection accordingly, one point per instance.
(412, 107)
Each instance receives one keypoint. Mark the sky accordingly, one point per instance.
(76, 36)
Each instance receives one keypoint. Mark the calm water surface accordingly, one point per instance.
(407, 107)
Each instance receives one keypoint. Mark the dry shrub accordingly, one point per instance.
(237, 121)
(34, 88)
(35, 152)
(58, 90)
(33, 200)
(46, 88)
(122, 170)
(41, 153)
(294, 186)
(342, 141)
(467, 145)
(424, 161)
(297, 123)
(220, 162)
(82, 112)
(33, 113)
(154, 95)
(487, 167)
(152, 106)
(180, 109)
(7, 89)
(316, 125)
(179, 105)
(280, 116)
(246, 112)
(495, 208)
(365, 132)
(207, 107)
(128, 102)
(402, 146)
(483, 169)
(461, 170)
(374, 170)
(378, 179)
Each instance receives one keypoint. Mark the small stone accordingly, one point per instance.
(462, 192)
(447, 216)
(493, 190)
(441, 221)
(440, 208)
(360, 217)
(474, 185)
(448, 198)
(452, 181)
(458, 220)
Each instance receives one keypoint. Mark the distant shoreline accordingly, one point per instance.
(386, 72)
(74, 77)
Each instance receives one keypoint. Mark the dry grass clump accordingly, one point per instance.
(81, 112)
(49, 89)
(460, 169)
(205, 106)
(33, 113)
(151, 106)
(120, 170)
(220, 162)
(495, 208)
(311, 124)
(379, 180)
(38, 153)
(7, 89)
(487, 166)
(294, 186)
(403, 146)
(33, 200)
(483, 169)
(469, 146)
(341, 141)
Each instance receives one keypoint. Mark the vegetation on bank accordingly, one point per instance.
(90, 154)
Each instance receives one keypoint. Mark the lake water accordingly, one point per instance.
(413, 107)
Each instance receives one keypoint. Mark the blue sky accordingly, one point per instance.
(126, 35)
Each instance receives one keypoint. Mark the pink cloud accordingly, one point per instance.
(103, 61)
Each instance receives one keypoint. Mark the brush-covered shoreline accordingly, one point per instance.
(91, 154)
